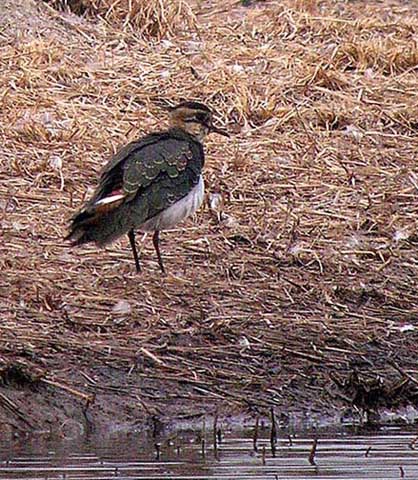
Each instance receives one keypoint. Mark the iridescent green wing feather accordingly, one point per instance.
(159, 175)
(169, 156)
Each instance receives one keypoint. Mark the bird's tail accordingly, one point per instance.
(101, 223)
(80, 229)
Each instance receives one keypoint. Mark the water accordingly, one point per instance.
(387, 454)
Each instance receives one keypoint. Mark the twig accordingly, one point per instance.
(203, 447)
(313, 452)
(7, 403)
(157, 451)
(151, 356)
(273, 433)
(215, 434)
(413, 443)
(73, 391)
(402, 372)
(255, 435)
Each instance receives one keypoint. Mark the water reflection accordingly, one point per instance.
(190, 454)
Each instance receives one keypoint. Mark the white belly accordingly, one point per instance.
(178, 211)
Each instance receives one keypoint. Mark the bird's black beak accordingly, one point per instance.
(214, 129)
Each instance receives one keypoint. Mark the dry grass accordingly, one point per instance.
(153, 18)
(308, 267)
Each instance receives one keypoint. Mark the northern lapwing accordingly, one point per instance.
(150, 185)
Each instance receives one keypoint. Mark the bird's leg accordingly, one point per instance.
(131, 236)
(156, 242)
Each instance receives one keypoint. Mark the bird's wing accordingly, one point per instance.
(111, 176)
(169, 157)
(158, 170)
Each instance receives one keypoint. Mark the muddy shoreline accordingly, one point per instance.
(109, 400)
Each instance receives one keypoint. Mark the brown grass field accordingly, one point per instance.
(295, 287)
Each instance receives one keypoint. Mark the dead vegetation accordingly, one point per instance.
(153, 18)
(302, 265)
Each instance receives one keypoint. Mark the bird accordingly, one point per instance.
(150, 185)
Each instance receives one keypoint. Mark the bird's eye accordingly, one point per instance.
(203, 117)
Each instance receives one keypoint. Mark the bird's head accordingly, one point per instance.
(195, 118)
